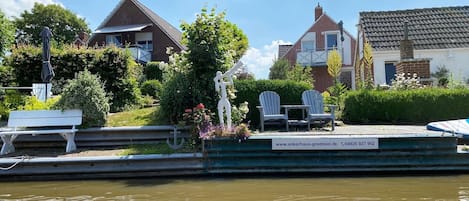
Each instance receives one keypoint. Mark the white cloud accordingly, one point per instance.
(16, 7)
(259, 61)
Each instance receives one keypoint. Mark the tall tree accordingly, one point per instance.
(213, 44)
(279, 69)
(64, 24)
(7, 34)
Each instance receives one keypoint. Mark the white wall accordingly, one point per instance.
(347, 60)
(455, 60)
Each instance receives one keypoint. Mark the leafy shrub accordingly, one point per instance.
(175, 97)
(128, 97)
(32, 103)
(405, 107)
(152, 71)
(442, 76)
(238, 114)
(147, 100)
(10, 100)
(6, 73)
(249, 90)
(152, 88)
(86, 92)
(115, 68)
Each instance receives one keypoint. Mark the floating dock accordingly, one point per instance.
(348, 149)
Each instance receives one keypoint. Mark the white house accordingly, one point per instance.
(440, 37)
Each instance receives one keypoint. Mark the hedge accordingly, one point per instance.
(152, 71)
(112, 64)
(406, 107)
(249, 90)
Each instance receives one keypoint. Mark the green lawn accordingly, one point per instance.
(141, 117)
(144, 117)
(160, 148)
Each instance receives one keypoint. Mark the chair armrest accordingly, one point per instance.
(261, 110)
(332, 109)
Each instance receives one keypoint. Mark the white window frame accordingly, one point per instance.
(337, 33)
(309, 37)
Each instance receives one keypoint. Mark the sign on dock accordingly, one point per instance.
(325, 143)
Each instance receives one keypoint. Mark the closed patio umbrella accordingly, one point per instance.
(47, 73)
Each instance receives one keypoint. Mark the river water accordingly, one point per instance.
(278, 189)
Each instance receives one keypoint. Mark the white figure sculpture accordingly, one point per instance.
(220, 87)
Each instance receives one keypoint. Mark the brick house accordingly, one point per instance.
(312, 48)
(134, 25)
(415, 41)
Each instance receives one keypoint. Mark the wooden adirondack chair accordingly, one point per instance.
(316, 107)
(270, 108)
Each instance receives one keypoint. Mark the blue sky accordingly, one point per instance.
(266, 22)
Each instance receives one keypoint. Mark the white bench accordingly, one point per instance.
(37, 122)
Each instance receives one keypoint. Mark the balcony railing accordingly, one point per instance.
(313, 58)
(139, 54)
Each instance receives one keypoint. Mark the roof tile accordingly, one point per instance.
(446, 27)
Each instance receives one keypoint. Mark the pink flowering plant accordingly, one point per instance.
(201, 118)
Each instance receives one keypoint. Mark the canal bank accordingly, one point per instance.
(347, 150)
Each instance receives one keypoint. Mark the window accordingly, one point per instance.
(145, 40)
(390, 70)
(307, 46)
(114, 39)
(146, 45)
(331, 41)
(308, 42)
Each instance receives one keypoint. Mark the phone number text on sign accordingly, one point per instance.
(325, 143)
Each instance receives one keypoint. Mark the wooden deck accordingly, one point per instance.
(360, 130)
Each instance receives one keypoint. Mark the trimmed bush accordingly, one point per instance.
(406, 107)
(249, 90)
(86, 92)
(152, 88)
(115, 66)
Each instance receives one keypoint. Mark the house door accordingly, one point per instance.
(390, 70)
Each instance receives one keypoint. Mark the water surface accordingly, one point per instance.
(278, 189)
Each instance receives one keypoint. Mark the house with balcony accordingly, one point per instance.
(132, 25)
(419, 41)
(312, 48)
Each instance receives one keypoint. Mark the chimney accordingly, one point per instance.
(408, 65)
(407, 46)
(317, 12)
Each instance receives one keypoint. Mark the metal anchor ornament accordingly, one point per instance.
(175, 145)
